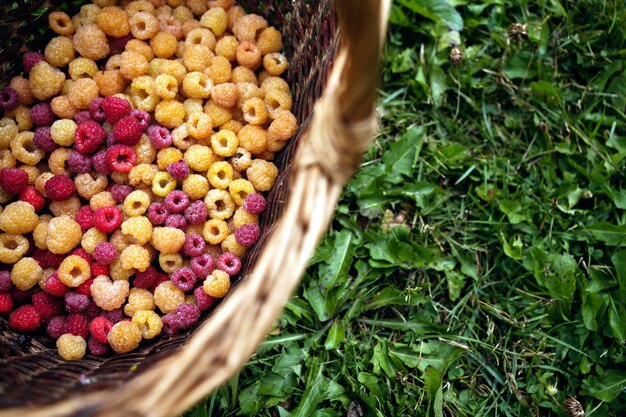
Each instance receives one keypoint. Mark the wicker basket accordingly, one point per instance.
(334, 50)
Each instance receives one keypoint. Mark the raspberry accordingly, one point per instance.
(115, 108)
(56, 327)
(248, 234)
(194, 245)
(45, 81)
(120, 192)
(74, 270)
(121, 158)
(114, 22)
(89, 137)
(158, 214)
(229, 263)
(83, 254)
(82, 92)
(6, 303)
(169, 324)
(109, 295)
(196, 213)
(184, 278)
(79, 163)
(41, 114)
(70, 347)
(139, 228)
(47, 306)
(105, 253)
(55, 287)
(145, 279)
(76, 303)
(133, 65)
(163, 184)
(97, 269)
(217, 284)
(25, 319)
(82, 117)
(17, 218)
(254, 203)
(99, 329)
(196, 186)
(85, 287)
(85, 218)
(159, 136)
(21, 297)
(167, 296)
(142, 117)
(215, 231)
(170, 113)
(202, 265)
(220, 174)
(270, 40)
(135, 257)
(230, 245)
(187, 314)
(59, 187)
(96, 110)
(13, 180)
(127, 131)
(5, 281)
(149, 323)
(78, 325)
(178, 170)
(9, 99)
(96, 348)
(176, 221)
(30, 59)
(114, 316)
(99, 161)
(203, 301)
(124, 336)
(91, 42)
(107, 219)
(43, 139)
(176, 201)
(138, 299)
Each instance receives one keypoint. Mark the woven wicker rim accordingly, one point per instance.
(343, 124)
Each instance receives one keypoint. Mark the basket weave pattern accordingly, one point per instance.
(300, 206)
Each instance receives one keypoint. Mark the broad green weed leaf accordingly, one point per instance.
(433, 379)
(436, 10)
(606, 387)
(401, 156)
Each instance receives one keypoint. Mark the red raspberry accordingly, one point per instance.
(85, 218)
(92, 311)
(254, 203)
(83, 254)
(46, 305)
(43, 139)
(30, 59)
(145, 279)
(78, 325)
(204, 300)
(248, 234)
(194, 245)
(47, 259)
(13, 180)
(99, 328)
(21, 297)
(202, 265)
(85, 287)
(96, 110)
(55, 287)
(99, 269)
(121, 158)
(56, 327)
(33, 197)
(161, 277)
(107, 219)
(6, 303)
(229, 263)
(88, 137)
(96, 348)
(115, 108)
(25, 319)
(127, 131)
(179, 169)
(59, 187)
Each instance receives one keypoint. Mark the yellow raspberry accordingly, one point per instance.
(224, 143)
(196, 186)
(57, 161)
(201, 36)
(138, 299)
(67, 207)
(230, 244)
(220, 174)
(62, 107)
(217, 284)
(109, 295)
(146, 152)
(242, 217)
(283, 127)
(135, 257)
(90, 184)
(63, 131)
(174, 68)
(139, 228)
(225, 94)
(61, 23)
(91, 42)
(149, 323)
(101, 200)
(74, 270)
(12, 248)
(220, 70)
(21, 114)
(239, 190)
(215, 231)
(197, 85)
(26, 273)
(262, 174)
(170, 113)
(168, 297)
(8, 130)
(253, 139)
(242, 74)
(71, 347)
(18, 218)
(7, 160)
(270, 40)
(82, 92)
(167, 240)
(164, 44)
(118, 272)
(254, 111)
(198, 157)
(219, 115)
(113, 21)
(142, 175)
(91, 238)
(45, 80)
(167, 157)
(63, 234)
(166, 86)
(143, 93)
(170, 262)
(59, 51)
(227, 47)
(163, 184)
(136, 203)
(124, 337)
(133, 65)
(220, 204)
(181, 138)
(199, 126)
(24, 149)
(40, 233)
(110, 82)
(196, 57)
(215, 19)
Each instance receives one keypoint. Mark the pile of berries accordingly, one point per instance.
(134, 154)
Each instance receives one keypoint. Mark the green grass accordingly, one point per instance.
(477, 263)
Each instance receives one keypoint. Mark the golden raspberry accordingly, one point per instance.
(40, 233)
(141, 176)
(30, 170)
(270, 40)
(220, 174)
(71, 347)
(249, 55)
(92, 238)
(167, 157)
(217, 284)
(144, 25)
(170, 113)
(224, 4)
(166, 86)
(164, 44)
(91, 42)
(274, 84)
(59, 51)
(198, 7)
(283, 127)
(242, 74)
(232, 125)
(219, 115)
(197, 57)
(193, 105)
(101, 200)
(124, 337)
(67, 207)
(170, 262)
(18, 218)
(262, 174)
(140, 47)
(57, 161)
(26, 273)
(247, 27)
(12, 248)
(63, 234)
(74, 270)
(195, 186)
(117, 270)
(143, 93)
(220, 70)
(199, 126)
(263, 75)
(82, 68)
(198, 157)
(87, 15)
(146, 152)
(181, 137)
(275, 63)
(24, 149)
(63, 108)
(197, 85)
(175, 69)
(219, 204)
(133, 64)
(239, 190)
(21, 86)
(140, 6)
(234, 13)
(254, 111)
(215, 19)
(138, 227)
(167, 240)
(61, 23)
(138, 299)
(225, 94)
(21, 115)
(230, 244)
(8, 130)
(82, 92)
(242, 216)
(7, 160)
(88, 185)
(253, 139)
(224, 143)
(113, 21)
(135, 257)
(215, 231)
(109, 295)
(45, 80)
(168, 297)
(201, 36)
(277, 100)
(110, 82)
(41, 180)
(189, 25)
(163, 184)
(148, 322)
(63, 131)
(227, 47)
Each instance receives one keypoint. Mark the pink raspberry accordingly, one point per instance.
(178, 170)
(85, 218)
(99, 328)
(89, 137)
(47, 306)
(145, 279)
(82, 117)
(127, 131)
(5, 281)
(176, 201)
(142, 117)
(115, 108)
(99, 161)
(96, 110)
(78, 325)
(184, 278)
(204, 300)
(25, 319)
(160, 136)
(59, 188)
(76, 303)
(56, 327)
(187, 314)
(85, 287)
(43, 139)
(105, 253)
(9, 99)
(13, 180)
(248, 234)
(158, 214)
(194, 245)
(79, 163)
(176, 221)
(41, 114)
(202, 265)
(99, 269)
(196, 213)
(255, 203)
(33, 197)
(55, 287)
(30, 59)
(121, 158)
(6, 303)
(120, 192)
(229, 263)
(169, 324)
(96, 348)
(114, 316)
(107, 219)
